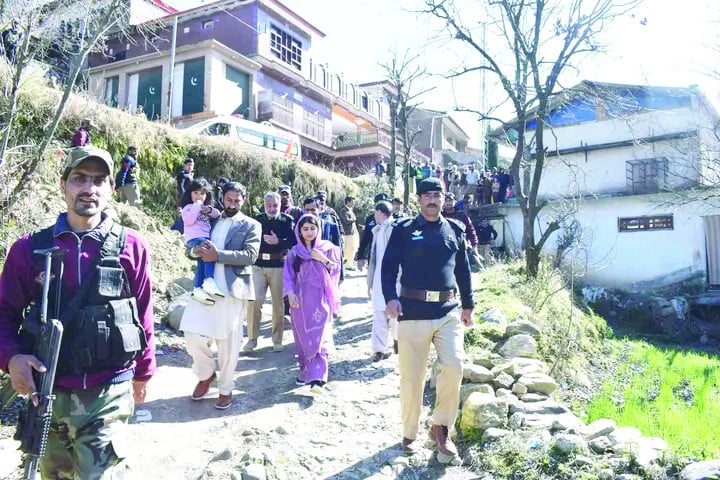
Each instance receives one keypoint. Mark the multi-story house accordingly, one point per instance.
(440, 137)
(251, 58)
(627, 162)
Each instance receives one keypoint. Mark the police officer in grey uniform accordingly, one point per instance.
(435, 269)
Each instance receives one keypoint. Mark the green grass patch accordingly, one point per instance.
(666, 393)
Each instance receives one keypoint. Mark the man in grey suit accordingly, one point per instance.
(234, 245)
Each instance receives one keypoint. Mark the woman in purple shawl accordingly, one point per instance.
(311, 284)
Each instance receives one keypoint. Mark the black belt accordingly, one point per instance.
(271, 256)
(427, 295)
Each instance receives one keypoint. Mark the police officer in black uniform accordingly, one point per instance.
(431, 251)
(363, 253)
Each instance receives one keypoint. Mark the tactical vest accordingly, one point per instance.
(102, 329)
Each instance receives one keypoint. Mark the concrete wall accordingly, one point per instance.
(624, 259)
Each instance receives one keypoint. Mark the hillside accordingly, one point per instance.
(162, 150)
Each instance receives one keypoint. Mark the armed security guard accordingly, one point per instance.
(431, 251)
(107, 353)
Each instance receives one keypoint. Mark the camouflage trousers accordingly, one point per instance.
(86, 440)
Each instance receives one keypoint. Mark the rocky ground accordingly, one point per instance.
(275, 429)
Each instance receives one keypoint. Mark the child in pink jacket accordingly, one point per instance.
(197, 212)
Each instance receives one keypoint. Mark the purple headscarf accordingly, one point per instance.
(330, 285)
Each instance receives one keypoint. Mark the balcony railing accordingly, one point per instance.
(282, 113)
(354, 140)
(314, 130)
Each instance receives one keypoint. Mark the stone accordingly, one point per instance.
(701, 470)
(503, 392)
(281, 430)
(516, 420)
(174, 316)
(522, 326)
(532, 397)
(521, 345)
(568, 421)
(254, 471)
(494, 434)
(582, 461)
(222, 455)
(481, 411)
(477, 373)
(547, 407)
(567, 444)
(598, 428)
(539, 383)
(494, 315)
(254, 455)
(624, 435)
(484, 361)
(600, 445)
(645, 450)
(519, 366)
(605, 474)
(503, 380)
(519, 389)
(179, 286)
(468, 388)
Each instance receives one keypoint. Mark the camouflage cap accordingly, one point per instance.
(80, 154)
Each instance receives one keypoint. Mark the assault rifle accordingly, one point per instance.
(33, 423)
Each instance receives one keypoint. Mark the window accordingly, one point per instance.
(646, 176)
(207, 24)
(640, 224)
(285, 47)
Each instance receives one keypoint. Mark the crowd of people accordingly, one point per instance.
(476, 187)
(418, 274)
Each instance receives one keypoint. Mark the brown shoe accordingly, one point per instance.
(223, 402)
(202, 388)
(447, 452)
(407, 446)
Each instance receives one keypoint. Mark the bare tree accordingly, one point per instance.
(535, 41)
(403, 74)
(68, 32)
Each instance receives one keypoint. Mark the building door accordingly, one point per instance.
(712, 247)
(149, 92)
(241, 96)
(111, 91)
(193, 99)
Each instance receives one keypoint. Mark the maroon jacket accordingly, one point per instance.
(461, 216)
(19, 285)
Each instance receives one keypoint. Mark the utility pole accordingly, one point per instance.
(173, 44)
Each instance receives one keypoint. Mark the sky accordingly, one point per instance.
(661, 42)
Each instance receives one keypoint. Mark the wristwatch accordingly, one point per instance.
(327, 264)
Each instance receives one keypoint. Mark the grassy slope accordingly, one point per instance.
(665, 392)
(162, 150)
(570, 335)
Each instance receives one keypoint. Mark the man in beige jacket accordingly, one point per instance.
(234, 245)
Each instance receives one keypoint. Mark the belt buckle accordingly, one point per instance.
(265, 256)
(431, 296)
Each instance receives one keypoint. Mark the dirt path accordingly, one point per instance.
(350, 432)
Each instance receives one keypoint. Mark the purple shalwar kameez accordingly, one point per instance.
(319, 298)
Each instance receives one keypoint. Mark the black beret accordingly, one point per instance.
(429, 185)
(380, 197)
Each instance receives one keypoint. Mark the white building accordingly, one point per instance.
(630, 159)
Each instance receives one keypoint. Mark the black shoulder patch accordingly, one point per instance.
(403, 222)
(456, 224)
